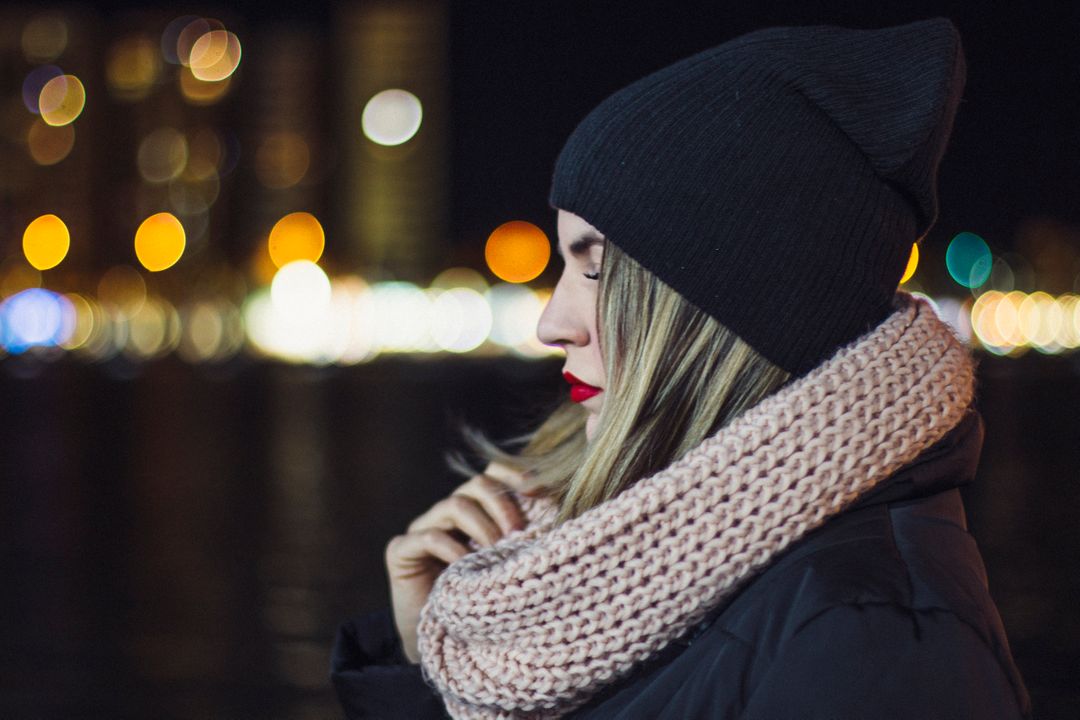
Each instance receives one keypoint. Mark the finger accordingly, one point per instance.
(498, 501)
(505, 474)
(463, 512)
(470, 515)
(421, 546)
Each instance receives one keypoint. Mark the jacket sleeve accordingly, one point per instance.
(372, 676)
(883, 661)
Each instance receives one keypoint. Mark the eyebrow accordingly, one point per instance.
(581, 245)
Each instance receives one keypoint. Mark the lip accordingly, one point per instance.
(580, 391)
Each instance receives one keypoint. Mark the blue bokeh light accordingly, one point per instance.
(34, 318)
(969, 260)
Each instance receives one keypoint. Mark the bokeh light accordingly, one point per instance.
(402, 315)
(214, 56)
(517, 251)
(44, 37)
(515, 312)
(300, 288)
(201, 92)
(353, 327)
(297, 236)
(34, 318)
(132, 68)
(160, 241)
(204, 333)
(1070, 324)
(912, 264)
(392, 117)
(46, 241)
(49, 144)
(282, 160)
(1002, 277)
(85, 317)
(162, 155)
(171, 35)
(461, 319)
(62, 99)
(955, 312)
(1040, 319)
(190, 33)
(153, 330)
(464, 277)
(968, 260)
(34, 81)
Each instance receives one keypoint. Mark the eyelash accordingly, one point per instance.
(592, 276)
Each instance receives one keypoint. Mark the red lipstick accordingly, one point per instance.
(579, 391)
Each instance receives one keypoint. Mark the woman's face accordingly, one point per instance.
(569, 320)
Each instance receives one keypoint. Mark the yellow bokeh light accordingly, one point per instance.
(215, 56)
(62, 100)
(297, 236)
(159, 241)
(203, 332)
(83, 322)
(153, 330)
(282, 160)
(517, 251)
(44, 38)
(912, 263)
(982, 319)
(1070, 327)
(46, 242)
(1040, 319)
(193, 30)
(132, 67)
(200, 92)
(1007, 318)
(49, 144)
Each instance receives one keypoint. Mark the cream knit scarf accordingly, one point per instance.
(535, 625)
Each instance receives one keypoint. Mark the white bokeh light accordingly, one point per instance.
(392, 117)
(300, 289)
(461, 319)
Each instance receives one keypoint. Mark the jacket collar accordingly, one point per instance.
(948, 463)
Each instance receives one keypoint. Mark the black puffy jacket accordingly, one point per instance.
(882, 612)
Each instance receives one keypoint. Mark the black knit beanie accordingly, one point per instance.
(776, 181)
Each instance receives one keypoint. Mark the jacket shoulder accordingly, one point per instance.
(897, 591)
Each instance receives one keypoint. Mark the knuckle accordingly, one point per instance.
(460, 503)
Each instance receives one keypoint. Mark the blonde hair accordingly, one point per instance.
(675, 376)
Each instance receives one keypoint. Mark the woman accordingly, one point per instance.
(749, 507)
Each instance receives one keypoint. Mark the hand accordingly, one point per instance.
(481, 509)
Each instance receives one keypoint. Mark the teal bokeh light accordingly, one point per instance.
(968, 260)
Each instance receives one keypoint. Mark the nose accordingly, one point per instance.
(559, 324)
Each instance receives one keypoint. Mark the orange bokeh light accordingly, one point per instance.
(517, 251)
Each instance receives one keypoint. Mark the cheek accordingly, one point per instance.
(596, 345)
(590, 425)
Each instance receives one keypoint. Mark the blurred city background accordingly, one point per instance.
(258, 262)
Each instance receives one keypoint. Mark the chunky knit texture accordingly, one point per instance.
(535, 625)
(777, 181)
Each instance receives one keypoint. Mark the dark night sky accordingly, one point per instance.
(524, 73)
